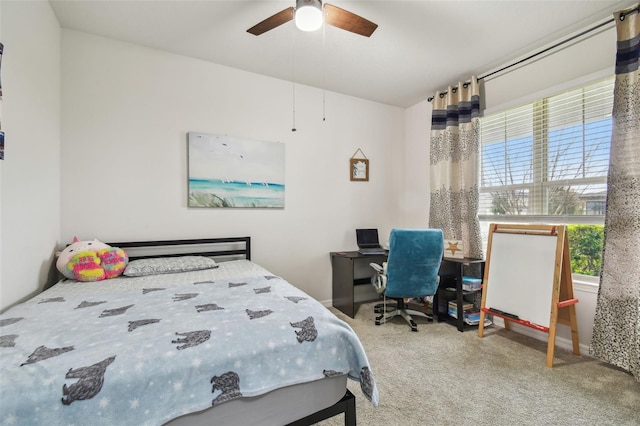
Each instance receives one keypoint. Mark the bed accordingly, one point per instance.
(229, 344)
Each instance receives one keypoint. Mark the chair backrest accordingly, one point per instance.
(414, 262)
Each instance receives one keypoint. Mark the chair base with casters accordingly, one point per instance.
(400, 308)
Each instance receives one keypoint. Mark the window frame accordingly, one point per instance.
(539, 100)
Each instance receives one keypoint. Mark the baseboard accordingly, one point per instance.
(561, 342)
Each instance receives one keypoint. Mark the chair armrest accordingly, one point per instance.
(379, 279)
(378, 268)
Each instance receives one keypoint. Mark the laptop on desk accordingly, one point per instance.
(368, 243)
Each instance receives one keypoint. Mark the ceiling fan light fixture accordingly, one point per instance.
(308, 15)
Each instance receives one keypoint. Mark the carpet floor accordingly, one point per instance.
(441, 376)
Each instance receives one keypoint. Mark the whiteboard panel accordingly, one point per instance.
(520, 281)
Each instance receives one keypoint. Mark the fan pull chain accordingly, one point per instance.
(293, 77)
(324, 70)
(293, 128)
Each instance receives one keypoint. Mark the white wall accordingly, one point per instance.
(30, 172)
(126, 111)
(414, 200)
(563, 69)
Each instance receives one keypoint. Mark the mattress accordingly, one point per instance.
(203, 345)
(276, 408)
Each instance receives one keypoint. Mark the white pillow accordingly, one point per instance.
(168, 265)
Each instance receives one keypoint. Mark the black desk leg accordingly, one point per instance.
(459, 299)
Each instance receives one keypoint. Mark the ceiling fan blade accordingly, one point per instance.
(272, 22)
(346, 20)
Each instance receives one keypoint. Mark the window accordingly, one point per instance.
(547, 162)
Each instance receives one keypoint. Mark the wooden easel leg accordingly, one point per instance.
(574, 329)
(551, 345)
(566, 294)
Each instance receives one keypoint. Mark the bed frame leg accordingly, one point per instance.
(349, 409)
(346, 405)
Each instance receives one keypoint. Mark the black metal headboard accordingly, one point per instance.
(232, 247)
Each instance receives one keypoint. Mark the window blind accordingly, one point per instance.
(549, 157)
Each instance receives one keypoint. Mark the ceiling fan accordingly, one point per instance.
(308, 15)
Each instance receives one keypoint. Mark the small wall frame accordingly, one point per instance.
(359, 167)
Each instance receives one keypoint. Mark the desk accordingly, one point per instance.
(351, 269)
(453, 268)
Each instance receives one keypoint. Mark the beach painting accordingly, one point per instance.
(225, 171)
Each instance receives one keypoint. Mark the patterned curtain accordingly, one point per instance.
(616, 330)
(454, 162)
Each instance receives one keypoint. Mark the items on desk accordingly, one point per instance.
(471, 283)
(470, 314)
(467, 306)
(368, 243)
(453, 248)
(371, 252)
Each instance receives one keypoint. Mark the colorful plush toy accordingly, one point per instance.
(91, 261)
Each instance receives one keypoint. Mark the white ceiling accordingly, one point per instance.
(418, 48)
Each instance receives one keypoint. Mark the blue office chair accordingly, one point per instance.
(410, 271)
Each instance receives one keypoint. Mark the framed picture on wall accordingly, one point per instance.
(359, 169)
(226, 171)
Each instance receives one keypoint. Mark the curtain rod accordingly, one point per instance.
(560, 43)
